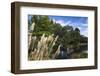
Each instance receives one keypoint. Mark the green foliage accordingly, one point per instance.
(67, 34)
(42, 25)
(84, 55)
(79, 55)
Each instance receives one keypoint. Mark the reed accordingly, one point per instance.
(44, 47)
(41, 49)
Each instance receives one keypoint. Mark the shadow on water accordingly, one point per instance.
(63, 54)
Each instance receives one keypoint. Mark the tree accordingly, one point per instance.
(67, 34)
(77, 30)
(76, 39)
(42, 25)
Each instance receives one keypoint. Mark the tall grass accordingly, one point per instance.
(42, 49)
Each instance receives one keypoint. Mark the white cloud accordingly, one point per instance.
(84, 32)
(63, 23)
(82, 27)
(83, 24)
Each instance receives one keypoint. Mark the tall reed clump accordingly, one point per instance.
(41, 49)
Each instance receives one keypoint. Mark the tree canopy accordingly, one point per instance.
(68, 35)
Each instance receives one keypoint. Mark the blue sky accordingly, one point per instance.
(75, 21)
(80, 22)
